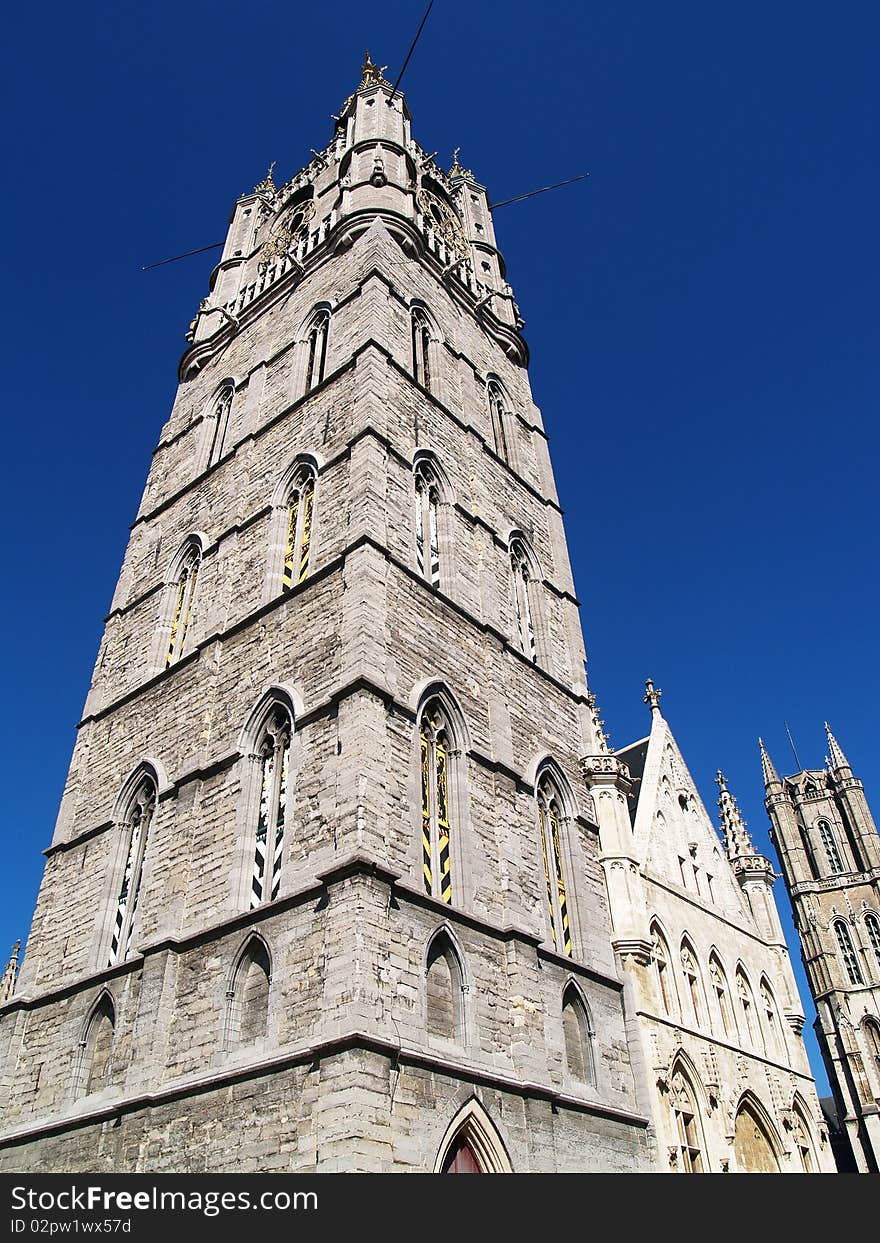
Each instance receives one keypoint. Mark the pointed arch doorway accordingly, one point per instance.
(461, 1159)
(472, 1144)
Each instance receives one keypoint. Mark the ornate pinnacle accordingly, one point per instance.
(456, 170)
(267, 183)
(737, 841)
(371, 75)
(7, 984)
(771, 776)
(836, 757)
(652, 695)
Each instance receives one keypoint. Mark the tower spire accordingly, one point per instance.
(836, 758)
(652, 696)
(737, 841)
(771, 776)
(7, 984)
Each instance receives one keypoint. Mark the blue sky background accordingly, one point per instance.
(701, 315)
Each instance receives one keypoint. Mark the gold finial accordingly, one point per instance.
(457, 170)
(267, 183)
(652, 696)
(371, 75)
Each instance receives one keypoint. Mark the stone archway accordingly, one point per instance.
(754, 1149)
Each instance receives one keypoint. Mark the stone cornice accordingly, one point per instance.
(451, 1067)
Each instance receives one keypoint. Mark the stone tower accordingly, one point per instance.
(830, 855)
(324, 890)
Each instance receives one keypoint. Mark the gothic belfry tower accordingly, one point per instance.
(324, 890)
(830, 855)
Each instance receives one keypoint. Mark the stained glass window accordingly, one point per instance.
(434, 744)
(184, 594)
(273, 753)
(549, 815)
(298, 529)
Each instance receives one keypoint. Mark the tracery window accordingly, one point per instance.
(660, 955)
(690, 973)
(220, 421)
(687, 1126)
(184, 594)
(140, 813)
(847, 953)
(521, 577)
(300, 524)
(549, 816)
(771, 1016)
(273, 753)
(872, 923)
(427, 495)
(829, 841)
(317, 349)
(747, 1006)
(719, 987)
(802, 1144)
(434, 751)
(421, 348)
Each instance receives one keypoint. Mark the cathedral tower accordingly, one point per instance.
(324, 890)
(830, 855)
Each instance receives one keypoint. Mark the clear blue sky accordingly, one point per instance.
(701, 314)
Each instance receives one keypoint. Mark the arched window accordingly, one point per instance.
(753, 1146)
(829, 841)
(427, 495)
(421, 348)
(549, 816)
(747, 1006)
(665, 983)
(872, 1036)
(847, 952)
(692, 984)
(273, 753)
(771, 1018)
(300, 523)
(498, 416)
(722, 1000)
(184, 594)
(443, 986)
(97, 1052)
(219, 422)
(248, 1014)
(136, 825)
(801, 1139)
(435, 746)
(687, 1125)
(872, 923)
(522, 598)
(316, 341)
(578, 1036)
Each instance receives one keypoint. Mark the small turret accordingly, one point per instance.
(10, 975)
(737, 841)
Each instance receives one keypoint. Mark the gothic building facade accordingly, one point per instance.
(709, 979)
(345, 875)
(829, 851)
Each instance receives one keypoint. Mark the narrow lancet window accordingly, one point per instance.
(184, 594)
(829, 841)
(427, 524)
(298, 534)
(498, 418)
(549, 815)
(848, 953)
(220, 423)
(137, 824)
(522, 605)
(421, 348)
(434, 743)
(872, 923)
(317, 349)
(273, 753)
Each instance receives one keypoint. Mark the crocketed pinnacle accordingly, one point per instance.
(771, 776)
(7, 984)
(737, 841)
(836, 757)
